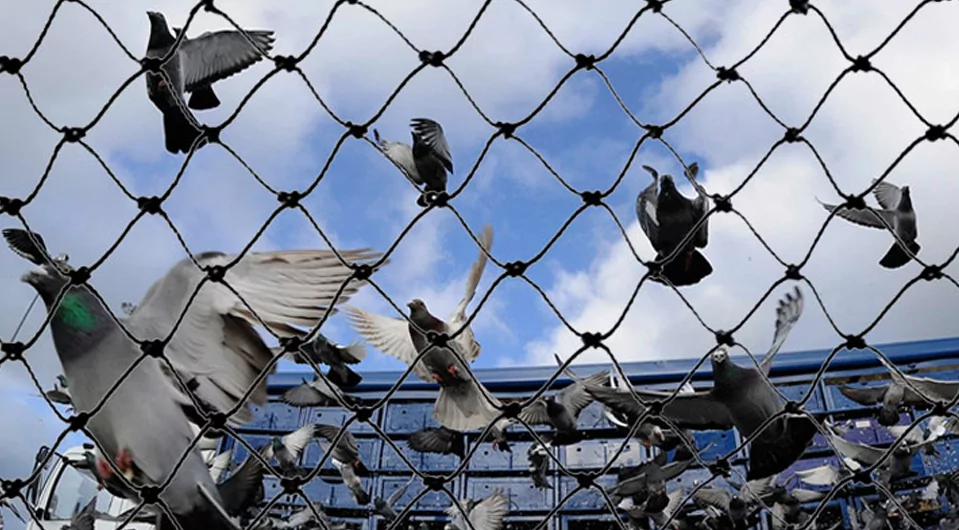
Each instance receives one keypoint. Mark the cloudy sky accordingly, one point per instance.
(508, 65)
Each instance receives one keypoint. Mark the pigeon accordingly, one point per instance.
(733, 505)
(288, 448)
(667, 217)
(305, 518)
(659, 511)
(322, 350)
(561, 410)
(649, 433)
(648, 480)
(243, 489)
(385, 508)
(895, 208)
(828, 474)
(438, 440)
(128, 308)
(900, 391)
(538, 456)
(346, 451)
(900, 462)
(741, 397)
(463, 404)
(194, 67)
(317, 393)
(84, 519)
(352, 481)
(876, 517)
(59, 393)
(427, 162)
(486, 514)
(220, 463)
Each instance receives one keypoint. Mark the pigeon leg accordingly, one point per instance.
(453, 371)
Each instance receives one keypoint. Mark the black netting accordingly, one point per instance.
(364, 272)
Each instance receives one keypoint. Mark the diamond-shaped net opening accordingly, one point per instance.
(711, 469)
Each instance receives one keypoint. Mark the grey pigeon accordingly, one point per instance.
(735, 508)
(243, 488)
(109, 480)
(659, 509)
(438, 440)
(647, 479)
(287, 449)
(322, 350)
(463, 404)
(317, 393)
(538, 456)
(386, 509)
(561, 410)
(194, 67)
(741, 397)
(427, 161)
(876, 517)
(352, 481)
(900, 391)
(900, 462)
(895, 208)
(84, 519)
(667, 217)
(305, 518)
(59, 393)
(346, 450)
(486, 514)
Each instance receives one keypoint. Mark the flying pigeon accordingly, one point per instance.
(427, 161)
(220, 463)
(667, 217)
(486, 514)
(215, 343)
(648, 479)
(346, 451)
(385, 509)
(316, 393)
(194, 67)
(463, 404)
(322, 350)
(438, 440)
(561, 410)
(538, 456)
(305, 518)
(288, 448)
(900, 462)
(896, 210)
(352, 481)
(741, 397)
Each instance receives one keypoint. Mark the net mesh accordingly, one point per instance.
(364, 271)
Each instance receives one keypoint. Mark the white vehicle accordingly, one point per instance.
(68, 487)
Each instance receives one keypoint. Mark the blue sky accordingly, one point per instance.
(509, 65)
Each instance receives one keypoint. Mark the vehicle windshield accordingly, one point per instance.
(74, 489)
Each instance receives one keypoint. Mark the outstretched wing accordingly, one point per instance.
(867, 217)
(389, 335)
(214, 56)
(458, 317)
(431, 133)
(887, 195)
(787, 314)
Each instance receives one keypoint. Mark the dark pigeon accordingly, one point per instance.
(197, 64)
(322, 350)
(386, 508)
(427, 162)
(317, 393)
(438, 440)
(538, 456)
(288, 448)
(561, 410)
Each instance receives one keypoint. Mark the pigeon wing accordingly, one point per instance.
(488, 514)
(458, 317)
(214, 56)
(867, 217)
(646, 212)
(389, 335)
(432, 134)
(575, 397)
(20, 242)
(887, 195)
(787, 314)
(297, 440)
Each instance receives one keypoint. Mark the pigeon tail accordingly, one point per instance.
(343, 377)
(463, 407)
(897, 257)
(360, 468)
(204, 99)
(768, 457)
(686, 269)
(362, 497)
(179, 132)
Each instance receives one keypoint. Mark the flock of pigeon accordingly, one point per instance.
(197, 356)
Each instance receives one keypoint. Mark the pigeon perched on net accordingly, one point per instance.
(487, 514)
(741, 397)
(463, 403)
(895, 208)
(386, 508)
(214, 345)
(427, 161)
(316, 393)
(287, 449)
(667, 217)
(322, 350)
(197, 64)
(438, 440)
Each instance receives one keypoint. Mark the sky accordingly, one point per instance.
(508, 65)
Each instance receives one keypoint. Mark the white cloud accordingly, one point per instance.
(859, 131)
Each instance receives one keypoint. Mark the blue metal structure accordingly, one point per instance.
(410, 409)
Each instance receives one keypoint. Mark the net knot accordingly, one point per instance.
(854, 342)
(216, 273)
(11, 488)
(654, 5)
(152, 348)
(653, 131)
(793, 272)
(212, 134)
(516, 268)
(727, 74)
(73, 134)
(437, 339)
(356, 131)
(591, 198)
(13, 350)
(434, 59)
(291, 485)
(151, 64)
(724, 338)
(289, 199)
(364, 413)
(10, 206)
(78, 421)
(285, 62)
(434, 482)
(512, 409)
(362, 271)
(655, 408)
(720, 467)
(792, 135)
(217, 421)
(150, 494)
(150, 205)
(585, 62)
(800, 7)
(861, 64)
(208, 6)
(586, 480)
(10, 65)
(931, 272)
(291, 344)
(792, 407)
(854, 202)
(935, 133)
(435, 198)
(724, 203)
(79, 275)
(506, 129)
(591, 339)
